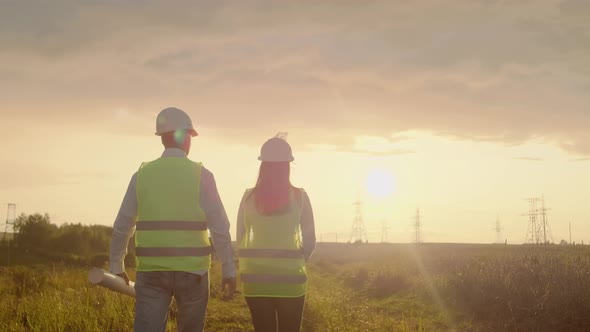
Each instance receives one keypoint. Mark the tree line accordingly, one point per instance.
(37, 235)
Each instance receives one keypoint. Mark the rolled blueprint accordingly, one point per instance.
(111, 281)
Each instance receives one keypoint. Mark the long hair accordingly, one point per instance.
(273, 188)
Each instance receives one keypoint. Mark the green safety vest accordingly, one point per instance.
(271, 262)
(171, 230)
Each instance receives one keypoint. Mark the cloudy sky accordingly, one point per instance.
(471, 106)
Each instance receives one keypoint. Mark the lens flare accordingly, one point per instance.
(179, 136)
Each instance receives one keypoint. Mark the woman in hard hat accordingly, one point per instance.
(276, 235)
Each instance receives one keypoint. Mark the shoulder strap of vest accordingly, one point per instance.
(301, 202)
(247, 194)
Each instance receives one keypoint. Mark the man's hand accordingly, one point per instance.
(231, 287)
(124, 276)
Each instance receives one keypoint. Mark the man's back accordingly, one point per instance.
(174, 201)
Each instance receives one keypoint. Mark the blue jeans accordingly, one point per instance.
(153, 295)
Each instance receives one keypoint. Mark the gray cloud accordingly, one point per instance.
(489, 70)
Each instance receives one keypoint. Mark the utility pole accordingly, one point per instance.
(384, 232)
(10, 219)
(546, 229)
(532, 236)
(538, 230)
(570, 232)
(359, 232)
(417, 226)
(9, 228)
(498, 228)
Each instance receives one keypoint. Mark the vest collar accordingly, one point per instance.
(173, 152)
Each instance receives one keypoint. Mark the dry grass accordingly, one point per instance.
(352, 288)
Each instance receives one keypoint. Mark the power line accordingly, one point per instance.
(384, 232)
(9, 228)
(359, 232)
(10, 219)
(417, 227)
(532, 234)
(547, 237)
(498, 228)
(538, 230)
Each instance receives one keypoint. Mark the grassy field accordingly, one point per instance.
(374, 287)
(6, 236)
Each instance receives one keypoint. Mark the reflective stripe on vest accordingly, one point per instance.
(171, 225)
(171, 232)
(270, 253)
(181, 251)
(273, 278)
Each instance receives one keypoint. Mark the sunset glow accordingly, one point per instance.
(380, 183)
(462, 117)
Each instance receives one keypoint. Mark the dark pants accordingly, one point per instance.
(154, 292)
(276, 314)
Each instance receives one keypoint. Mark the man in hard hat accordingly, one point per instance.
(171, 202)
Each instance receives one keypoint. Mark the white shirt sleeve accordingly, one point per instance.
(218, 223)
(307, 228)
(123, 228)
(240, 227)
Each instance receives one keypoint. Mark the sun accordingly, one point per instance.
(380, 183)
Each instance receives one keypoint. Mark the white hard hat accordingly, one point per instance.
(276, 150)
(172, 119)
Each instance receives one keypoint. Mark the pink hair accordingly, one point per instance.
(273, 187)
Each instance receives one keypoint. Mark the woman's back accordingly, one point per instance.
(278, 230)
